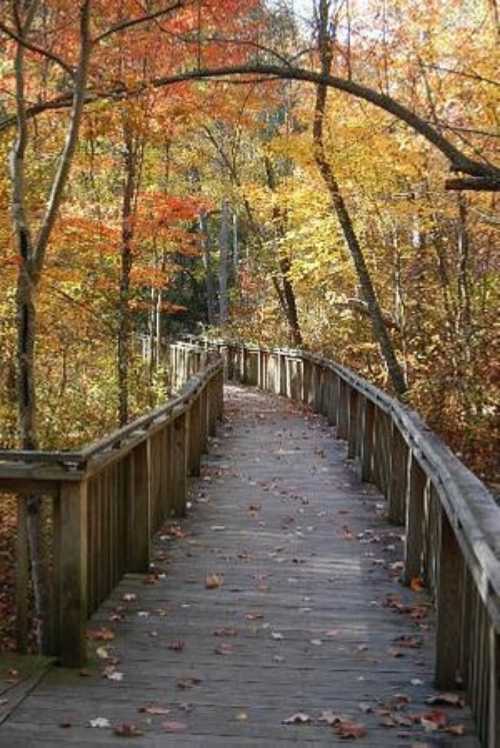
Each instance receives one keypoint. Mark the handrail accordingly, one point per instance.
(106, 500)
(72, 459)
(452, 522)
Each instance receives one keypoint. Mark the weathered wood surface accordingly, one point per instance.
(298, 540)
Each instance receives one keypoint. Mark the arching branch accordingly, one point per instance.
(459, 161)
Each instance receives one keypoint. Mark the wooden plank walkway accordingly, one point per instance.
(309, 618)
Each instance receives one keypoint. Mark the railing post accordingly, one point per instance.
(307, 381)
(414, 545)
(494, 689)
(324, 390)
(242, 364)
(367, 440)
(139, 508)
(332, 393)
(70, 529)
(352, 423)
(283, 383)
(398, 479)
(204, 420)
(318, 399)
(448, 631)
(180, 464)
(212, 406)
(22, 577)
(342, 413)
(195, 436)
(314, 383)
(220, 396)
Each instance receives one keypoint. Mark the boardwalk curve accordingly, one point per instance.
(305, 616)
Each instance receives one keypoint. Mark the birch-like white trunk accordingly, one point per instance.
(224, 260)
(32, 250)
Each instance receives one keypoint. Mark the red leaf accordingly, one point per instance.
(127, 730)
(176, 646)
(346, 729)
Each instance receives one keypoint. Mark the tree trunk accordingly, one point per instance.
(367, 289)
(286, 294)
(224, 261)
(126, 256)
(206, 247)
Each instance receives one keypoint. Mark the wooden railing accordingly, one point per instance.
(451, 521)
(103, 503)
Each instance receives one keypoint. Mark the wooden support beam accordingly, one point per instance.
(414, 544)
(494, 689)
(204, 420)
(398, 479)
(343, 410)
(367, 440)
(352, 423)
(22, 577)
(180, 465)
(449, 620)
(139, 508)
(70, 525)
(195, 437)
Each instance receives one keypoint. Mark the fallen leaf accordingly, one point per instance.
(102, 652)
(347, 729)
(447, 699)
(365, 707)
(100, 722)
(102, 634)
(111, 674)
(408, 641)
(417, 584)
(176, 646)
(154, 710)
(347, 533)
(226, 631)
(188, 682)
(127, 730)
(299, 718)
(434, 720)
(129, 597)
(213, 581)
(456, 729)
(174, 726)
(224, 649)
(395, 652)
(331, 718)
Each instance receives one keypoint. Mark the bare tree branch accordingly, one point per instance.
(472, 76)
(62, 173)
(38, 50)
(142, 19)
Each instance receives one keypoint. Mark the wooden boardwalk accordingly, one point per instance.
(305, 614)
